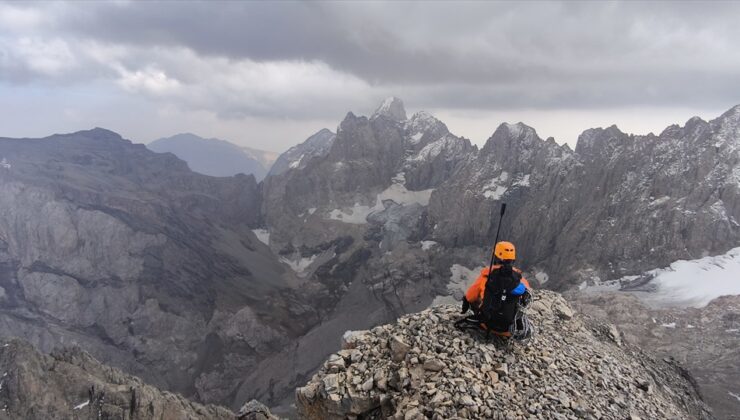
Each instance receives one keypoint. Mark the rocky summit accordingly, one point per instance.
(422, 367)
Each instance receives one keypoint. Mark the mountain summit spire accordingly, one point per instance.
(392, 108)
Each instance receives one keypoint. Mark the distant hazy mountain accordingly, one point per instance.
(266, 158)
(213, 157)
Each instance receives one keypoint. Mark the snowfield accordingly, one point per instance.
(696, 282)
(300, 265)
(263, 235)
(684, 283)
(495, 189)
(461, 278)
(397, 192)
(427, 245)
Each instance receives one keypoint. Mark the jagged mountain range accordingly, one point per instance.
(157, 270)
(578, 215)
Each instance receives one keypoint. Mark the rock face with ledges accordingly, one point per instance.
(333, 193)
(618, 205)
(422, 367)
(71, 384)
(149, 266)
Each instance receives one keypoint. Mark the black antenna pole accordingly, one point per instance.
(493, 252)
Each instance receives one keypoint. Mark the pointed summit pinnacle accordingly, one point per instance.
(392, 108)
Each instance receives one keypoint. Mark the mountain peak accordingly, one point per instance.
(731, 115)
(392, 108)
(518, 131)
(97, 133)
(209, 156)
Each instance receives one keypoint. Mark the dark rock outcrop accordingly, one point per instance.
(71, 384)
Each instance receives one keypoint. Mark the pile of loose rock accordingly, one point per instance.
(422, 367)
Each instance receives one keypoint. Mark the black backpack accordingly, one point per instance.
(499, 306)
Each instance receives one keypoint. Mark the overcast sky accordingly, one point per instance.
(267, 75)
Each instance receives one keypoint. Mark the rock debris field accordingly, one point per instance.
(422, 367)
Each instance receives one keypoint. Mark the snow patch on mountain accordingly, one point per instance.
(82, 405)
(692, 283)
(697, 282)
(263, 235)
(448, 144)
(460, 278)
(523, 181)
(396, 192)
(354, 215)
(495, 189)
(427, 245)
(736, 396)
(541, 277)
(658, 201)
(400, 195)
(422, 121)
(296, 163)
(301, 265)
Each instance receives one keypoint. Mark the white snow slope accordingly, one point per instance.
(691, 283)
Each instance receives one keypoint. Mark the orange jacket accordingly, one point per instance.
(474, 295)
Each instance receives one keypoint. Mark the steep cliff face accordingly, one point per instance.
(422, 367)
(619, 204)
(147, 265)
(371, 164)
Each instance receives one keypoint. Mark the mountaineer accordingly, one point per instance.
(497, 297)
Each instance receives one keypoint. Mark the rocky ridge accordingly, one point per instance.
(422, 367)
(298, 156)
(706, 340)
(71, 384)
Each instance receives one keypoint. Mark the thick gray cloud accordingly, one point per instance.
(532, 53)
(310, 60)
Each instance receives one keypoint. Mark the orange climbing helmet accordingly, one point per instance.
(505, 251)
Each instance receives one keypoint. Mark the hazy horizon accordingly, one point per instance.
(267, 75)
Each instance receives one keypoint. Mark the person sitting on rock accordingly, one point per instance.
(495, 297)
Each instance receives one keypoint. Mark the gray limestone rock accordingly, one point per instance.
(70, 383)
(615, 375)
